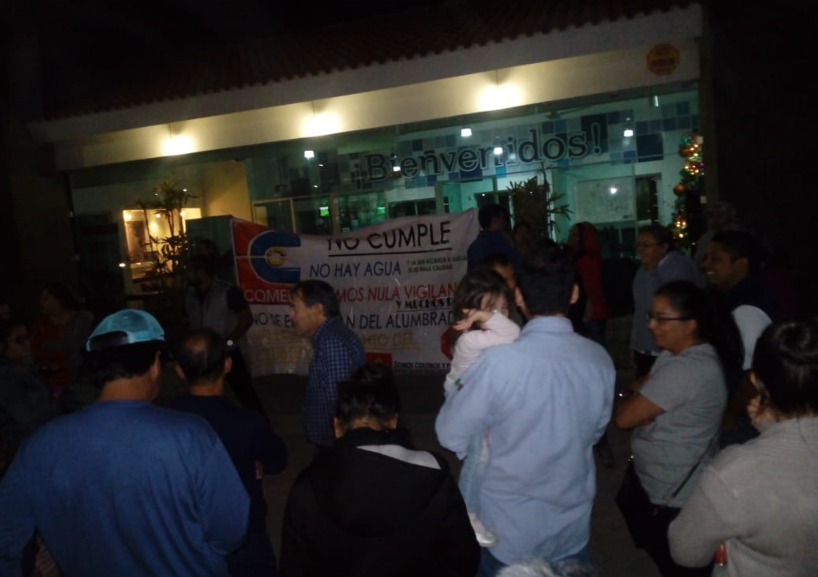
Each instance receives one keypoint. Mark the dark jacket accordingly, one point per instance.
(248, 438)
(752, 291)
(354, 512)
(487, 243)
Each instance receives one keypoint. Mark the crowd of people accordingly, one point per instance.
(97, 479)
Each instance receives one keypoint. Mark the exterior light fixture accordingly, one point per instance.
(628, 133)
(176, 144)
(465, 132)
(498, 150)
(308, 154)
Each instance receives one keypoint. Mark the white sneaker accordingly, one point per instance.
(485, 537)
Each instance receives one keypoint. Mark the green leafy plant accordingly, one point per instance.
(169, 254)
(537, 204)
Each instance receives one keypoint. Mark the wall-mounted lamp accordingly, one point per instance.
(175, 145)
(321, 124)
(497, 96)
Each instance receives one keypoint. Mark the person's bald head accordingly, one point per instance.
(202, 357)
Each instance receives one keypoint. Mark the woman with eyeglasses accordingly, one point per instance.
(26, 401)
(675, 412)
(661, 263)
(759, 498)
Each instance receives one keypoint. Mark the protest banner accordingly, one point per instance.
(395, 282)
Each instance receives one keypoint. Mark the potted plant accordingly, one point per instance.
(166, 279)
(537, 204)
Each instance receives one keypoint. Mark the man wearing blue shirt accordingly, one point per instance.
(123, 487)
(544, 399)
(337, 352)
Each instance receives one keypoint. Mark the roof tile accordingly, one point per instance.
(429, 30)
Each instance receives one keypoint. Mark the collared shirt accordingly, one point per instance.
(675, 266)
(337, 352)
(546, 399)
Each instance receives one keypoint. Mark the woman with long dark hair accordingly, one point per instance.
(586, 252)
(759, 498)
(583, 246)
(676, 410)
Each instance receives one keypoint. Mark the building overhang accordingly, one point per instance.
(608, 57)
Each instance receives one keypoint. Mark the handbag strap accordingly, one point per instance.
(690, 473)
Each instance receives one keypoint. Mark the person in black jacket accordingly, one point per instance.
(204, 360)
(372, 504)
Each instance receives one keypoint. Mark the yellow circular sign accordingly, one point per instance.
(663, 59)
(276, 255)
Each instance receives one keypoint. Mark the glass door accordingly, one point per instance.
(275, 214)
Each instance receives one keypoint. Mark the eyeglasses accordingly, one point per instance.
(19, 340)
(658, 319)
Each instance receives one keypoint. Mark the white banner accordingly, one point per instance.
(395, 282)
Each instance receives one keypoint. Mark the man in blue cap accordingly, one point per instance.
(123, 487)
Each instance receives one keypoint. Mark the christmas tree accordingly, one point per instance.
(692, 173)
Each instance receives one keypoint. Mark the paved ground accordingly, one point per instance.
(611, 549)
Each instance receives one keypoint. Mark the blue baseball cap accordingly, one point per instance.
(125, 327)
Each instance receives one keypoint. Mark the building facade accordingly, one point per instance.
(439, 110)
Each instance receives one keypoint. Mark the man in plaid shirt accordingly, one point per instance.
(336, 353)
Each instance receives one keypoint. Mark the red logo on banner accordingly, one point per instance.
(379, 358)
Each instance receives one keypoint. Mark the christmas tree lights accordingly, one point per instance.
(691, 149)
